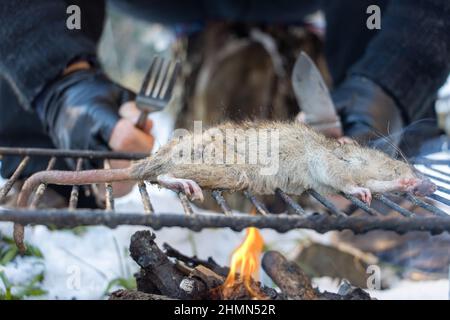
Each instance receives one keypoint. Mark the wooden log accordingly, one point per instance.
(144, 282)
(209, 277)
(160, 271)
(194, 261)
(295, 284)
(159, 275)
(288, 276)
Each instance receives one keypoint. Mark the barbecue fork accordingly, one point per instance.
(157, 87)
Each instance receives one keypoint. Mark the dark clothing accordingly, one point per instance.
(35, 48)
(409, 57)
(36, 45)
(19, 128)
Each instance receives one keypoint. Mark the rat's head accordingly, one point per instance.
(382, 167)
(423, 187)
(413, 181)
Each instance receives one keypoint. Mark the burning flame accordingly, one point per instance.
(245, 261)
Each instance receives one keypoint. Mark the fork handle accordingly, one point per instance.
(140, 124)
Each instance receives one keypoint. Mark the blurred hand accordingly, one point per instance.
(368, 113)
(126, 137)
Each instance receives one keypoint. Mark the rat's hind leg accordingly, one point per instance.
(363, 193)
(188, 186)
(189, 178)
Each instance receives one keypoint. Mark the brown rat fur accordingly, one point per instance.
(306, 160)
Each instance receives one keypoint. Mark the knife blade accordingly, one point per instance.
(314, 98)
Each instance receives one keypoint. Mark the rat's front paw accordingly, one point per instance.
(404, 184)
(362, 193)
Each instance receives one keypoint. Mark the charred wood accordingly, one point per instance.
(158, 270)
(288, 276)
(194, 261)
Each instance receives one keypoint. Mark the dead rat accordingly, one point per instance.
(304, 160)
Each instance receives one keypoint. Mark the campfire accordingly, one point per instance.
(169, 274)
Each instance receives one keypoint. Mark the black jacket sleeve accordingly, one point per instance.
(410, 56)
(36, 45)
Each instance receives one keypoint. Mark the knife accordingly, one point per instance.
(314, 98)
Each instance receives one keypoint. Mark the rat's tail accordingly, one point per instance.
(63, 178)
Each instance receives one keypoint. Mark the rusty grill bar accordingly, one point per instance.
(435, 220)
(40, 190)
(148, 207)
(75, 189)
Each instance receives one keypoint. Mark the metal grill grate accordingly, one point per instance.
(434, 220)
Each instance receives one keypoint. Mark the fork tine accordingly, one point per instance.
(147, 76)
(154, 76)
(167, 92)
(167, 79)
(165, 64)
